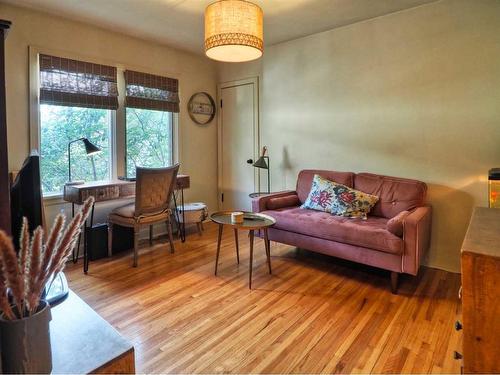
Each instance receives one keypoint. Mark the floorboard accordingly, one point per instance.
(314, 314)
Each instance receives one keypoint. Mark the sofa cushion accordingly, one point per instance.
(281, 202)
(396, 224)
(395, 194)
(370, 233)
(305, 178)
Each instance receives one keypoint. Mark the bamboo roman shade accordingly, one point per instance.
(77, 83)
(148, 91)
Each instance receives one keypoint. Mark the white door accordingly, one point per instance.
(239, 136)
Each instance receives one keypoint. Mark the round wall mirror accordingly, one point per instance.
(201, 108)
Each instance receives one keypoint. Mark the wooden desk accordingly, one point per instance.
(83, 342)
(109, 190)
(112, 190)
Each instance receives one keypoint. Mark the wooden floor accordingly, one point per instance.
(315, 314)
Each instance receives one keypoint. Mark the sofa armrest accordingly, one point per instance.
(260, 203)
(416, 236)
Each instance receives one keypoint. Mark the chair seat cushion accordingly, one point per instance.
(126, 215)
(125, 211)
(370, 233)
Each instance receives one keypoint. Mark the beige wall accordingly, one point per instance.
(198, 144)
(412, 94)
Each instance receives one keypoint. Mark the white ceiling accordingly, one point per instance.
(179, 23)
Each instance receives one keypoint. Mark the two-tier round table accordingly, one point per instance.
(251, 222)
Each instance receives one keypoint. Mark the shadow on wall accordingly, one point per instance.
(452, 210)
(286, 168)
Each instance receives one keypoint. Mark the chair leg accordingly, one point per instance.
(136, 245)
(170, 236)
(198, 225)
(110, 239)
(394, 282)
(150, 235)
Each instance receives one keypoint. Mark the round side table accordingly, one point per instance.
(251, 222)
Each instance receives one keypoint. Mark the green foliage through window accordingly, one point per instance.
(149, 139)
(58, 126)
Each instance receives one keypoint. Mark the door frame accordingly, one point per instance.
(256, 130)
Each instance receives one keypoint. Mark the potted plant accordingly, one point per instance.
(25, 316)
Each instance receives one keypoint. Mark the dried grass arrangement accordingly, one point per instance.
(25, 275)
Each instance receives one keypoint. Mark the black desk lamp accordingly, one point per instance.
(90, 149)
(263, 163)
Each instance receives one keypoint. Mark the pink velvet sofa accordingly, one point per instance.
(364, 241)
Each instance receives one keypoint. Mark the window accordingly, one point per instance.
(149, 139)
(60, 125)
(150, 101)
(77, 100)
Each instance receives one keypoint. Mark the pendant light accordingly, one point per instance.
(233, 31)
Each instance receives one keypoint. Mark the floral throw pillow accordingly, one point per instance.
(338, 199)
(352, 203)
(321, 196)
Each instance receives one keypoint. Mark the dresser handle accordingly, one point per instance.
(457, 355)
(458, 325)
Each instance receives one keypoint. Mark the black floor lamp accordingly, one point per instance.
(90, 149)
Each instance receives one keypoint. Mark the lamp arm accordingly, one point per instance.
(69, 156)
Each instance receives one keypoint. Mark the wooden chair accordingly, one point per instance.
(153, 194)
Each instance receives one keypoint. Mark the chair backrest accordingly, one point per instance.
(154, 188)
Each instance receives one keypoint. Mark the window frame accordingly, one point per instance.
(118, 117)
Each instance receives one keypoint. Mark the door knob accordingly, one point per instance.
(250, 161)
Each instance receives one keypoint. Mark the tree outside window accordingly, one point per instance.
(149, 139)
(60, 125)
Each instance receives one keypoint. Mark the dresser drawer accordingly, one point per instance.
(101, 193)
(127, 190)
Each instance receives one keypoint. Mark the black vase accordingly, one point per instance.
(26, 343)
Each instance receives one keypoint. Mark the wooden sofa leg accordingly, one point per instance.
(394, 282)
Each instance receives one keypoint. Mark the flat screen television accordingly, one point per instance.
(26, 201)
(26, 197)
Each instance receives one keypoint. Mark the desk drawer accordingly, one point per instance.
(104, 193)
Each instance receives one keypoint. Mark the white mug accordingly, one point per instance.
(237, 217)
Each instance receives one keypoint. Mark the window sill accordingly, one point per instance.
(53, 199)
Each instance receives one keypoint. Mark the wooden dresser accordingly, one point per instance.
(481, 292)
